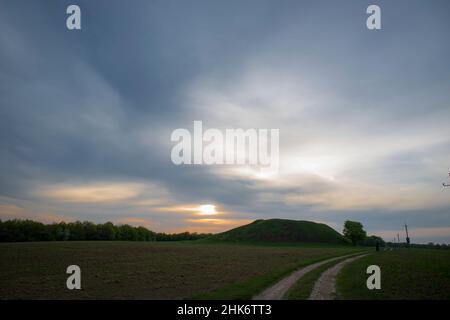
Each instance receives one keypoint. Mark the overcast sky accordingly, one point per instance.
(86, 116)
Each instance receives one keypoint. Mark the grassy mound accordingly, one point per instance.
(282, 230)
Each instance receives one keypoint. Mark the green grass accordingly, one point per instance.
(148, 270)
(282, 230)
(302, 289)
(405, 274)
(212, 241)
(247, 289)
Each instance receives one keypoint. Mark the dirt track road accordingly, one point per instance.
(279, 289)
(325, 286)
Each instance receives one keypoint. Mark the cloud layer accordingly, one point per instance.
(86, 116)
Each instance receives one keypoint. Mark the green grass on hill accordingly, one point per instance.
(282, 230)
(405, 274)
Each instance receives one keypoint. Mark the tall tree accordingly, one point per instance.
(353, 231)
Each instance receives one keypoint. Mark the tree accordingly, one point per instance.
(371, 241)
(353, 231)
(106, 231)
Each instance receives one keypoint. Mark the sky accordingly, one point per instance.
(363, 115)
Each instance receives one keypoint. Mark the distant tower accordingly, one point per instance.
(407, 235)
(398, 238)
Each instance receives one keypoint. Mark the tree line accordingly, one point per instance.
(355, 234)
(18, 230)
(429, 245)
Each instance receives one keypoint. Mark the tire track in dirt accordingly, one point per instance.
(325, 286)
(279, 289)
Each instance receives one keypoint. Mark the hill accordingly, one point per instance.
(282, 230)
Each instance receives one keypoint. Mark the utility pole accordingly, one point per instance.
(407, 235)
(398, 238)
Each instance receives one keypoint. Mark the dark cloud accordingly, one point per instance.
(98, 105)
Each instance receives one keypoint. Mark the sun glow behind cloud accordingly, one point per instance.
(202, 210)
(349, 159)
(207, 209)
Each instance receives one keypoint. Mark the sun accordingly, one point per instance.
(207, 209)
